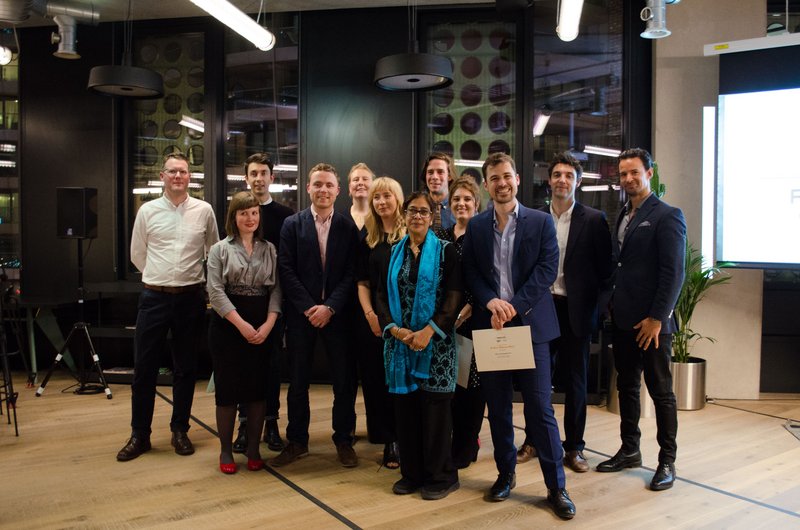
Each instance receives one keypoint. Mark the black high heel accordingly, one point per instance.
(391, 455)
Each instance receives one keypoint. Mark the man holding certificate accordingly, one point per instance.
(510, 260)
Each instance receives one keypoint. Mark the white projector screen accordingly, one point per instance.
(758, 179)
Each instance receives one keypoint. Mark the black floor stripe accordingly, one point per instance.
(350, 524)
(333, 513)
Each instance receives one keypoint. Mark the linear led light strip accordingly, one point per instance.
(239, 22)
(603, 151)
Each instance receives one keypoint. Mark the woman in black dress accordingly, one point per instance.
(244, 292)
(384, 226)
(468, 403)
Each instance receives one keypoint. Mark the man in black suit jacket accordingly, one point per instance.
(584, 266)
(649, 247)
(317, 273)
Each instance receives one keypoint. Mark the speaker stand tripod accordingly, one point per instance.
(80, 328)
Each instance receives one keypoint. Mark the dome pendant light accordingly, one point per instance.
(125, 80)
(413, 71)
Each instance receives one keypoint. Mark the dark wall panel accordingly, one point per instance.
(66, 140)
(344, 118)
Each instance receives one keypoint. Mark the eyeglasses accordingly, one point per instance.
(173, 172)
(415, 212)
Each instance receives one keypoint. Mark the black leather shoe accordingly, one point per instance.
(434, 494)
(562, 505)
(664, 477)
(404, 487)
(133, 448)
(183, 446)
(502, 487)
(272, 436)
(240, 443)
(620, 461)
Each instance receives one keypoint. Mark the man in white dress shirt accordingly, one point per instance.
(170, 241)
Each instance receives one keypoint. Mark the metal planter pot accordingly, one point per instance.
(689, 383)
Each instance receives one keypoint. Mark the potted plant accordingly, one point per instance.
(688, 372)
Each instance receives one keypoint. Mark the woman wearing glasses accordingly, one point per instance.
(417, 309)
(244, 292)
(468, 403)
(385, 226)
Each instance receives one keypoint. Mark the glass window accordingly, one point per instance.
(477, 114)
(172, 123)
(261, 90)
(577, 100)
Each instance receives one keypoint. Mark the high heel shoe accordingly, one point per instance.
(255, 465)
(391, 455)
(228, 469)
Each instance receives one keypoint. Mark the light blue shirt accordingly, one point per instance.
(503, 252)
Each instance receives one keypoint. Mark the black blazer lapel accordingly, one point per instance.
(576, 224)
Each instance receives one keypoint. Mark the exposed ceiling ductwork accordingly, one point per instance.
(66, 15)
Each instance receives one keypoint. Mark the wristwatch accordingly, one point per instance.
(331, 310)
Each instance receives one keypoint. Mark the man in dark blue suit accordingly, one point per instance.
(316, 268)
(584, 267)
(649, 246)
(510, 260)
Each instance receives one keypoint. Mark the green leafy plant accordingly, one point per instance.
(655, 185)
(698, 281)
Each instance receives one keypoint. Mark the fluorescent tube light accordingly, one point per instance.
(601, 187)
(147, 191)
(239, 22)
(569, 18)
(602, 151)
(285, 167)
(540, 124)
(468, 163)
(280, 188)
(590, 175)
(191, 123)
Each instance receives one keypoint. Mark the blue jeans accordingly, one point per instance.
(159, 313)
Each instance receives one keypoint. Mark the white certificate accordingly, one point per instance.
(464, 349)
(505, 349)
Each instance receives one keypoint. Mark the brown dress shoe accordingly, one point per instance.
(346, 456)
(525, 453)
(134, 447)
(290, 453)
(576, 462)
(183, 446)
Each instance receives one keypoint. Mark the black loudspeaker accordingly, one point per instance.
(76, 213)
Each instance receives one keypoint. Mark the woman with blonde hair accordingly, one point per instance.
(385, 226)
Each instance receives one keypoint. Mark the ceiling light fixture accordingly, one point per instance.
(468, 163)
(192, 123)
(569, 19)
(413, 71)
(540, 123)
(655, 14)
(602, 151)
(241, 23)
(125, 80)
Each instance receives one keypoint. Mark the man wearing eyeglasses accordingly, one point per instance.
(510, 260)
(170, 241)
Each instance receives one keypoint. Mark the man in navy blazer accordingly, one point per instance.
(649, 248)
(584, 244)
(317, 274)
(510, 260)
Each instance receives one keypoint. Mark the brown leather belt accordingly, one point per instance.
(174, 290)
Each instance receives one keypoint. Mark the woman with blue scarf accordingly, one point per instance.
(417, 309)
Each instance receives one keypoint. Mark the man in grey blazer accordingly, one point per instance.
(648, 244)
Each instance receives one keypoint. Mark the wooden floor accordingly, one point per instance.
(738, 467)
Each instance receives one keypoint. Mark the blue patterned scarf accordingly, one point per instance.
(403, 364)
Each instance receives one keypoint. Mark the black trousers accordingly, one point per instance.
(630, 361)
(424, 427)
(468, 408)
(570, 356)
(377, 400)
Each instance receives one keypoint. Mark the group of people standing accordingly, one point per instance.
(387, 289)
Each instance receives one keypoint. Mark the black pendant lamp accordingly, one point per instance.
(413, 71)
(125, 80)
